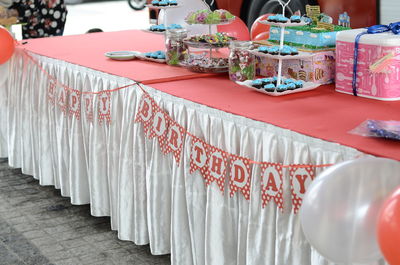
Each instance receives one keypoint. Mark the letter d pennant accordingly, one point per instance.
(240, 177)
(300, 178)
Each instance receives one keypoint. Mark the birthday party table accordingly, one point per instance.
(101, 152)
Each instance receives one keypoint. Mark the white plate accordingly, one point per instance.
(306, 87)
(287, 24)
(152, 31)
(141, 56)
(121, 55)
(301, 55)
(163, 7)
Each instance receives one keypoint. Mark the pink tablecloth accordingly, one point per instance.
(322, 113)
(88, 50)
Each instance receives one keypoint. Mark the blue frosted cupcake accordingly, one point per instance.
(257, 83)
(274, 50)
(269, 88)
(287, 81)
(298, 83)
(295, 19)
(291, 86)
(155, 2)
(173, 2)
(281, 88)
(272, 19)
(285, 51)
(263, 49)
(267, 81)
(163, 3)
(281, 19)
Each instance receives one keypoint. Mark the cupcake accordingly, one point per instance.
(274, 50)
(269, 88)
(263, 49)
(281, 19)
(173, 2)
(267, 81)
(281, 88)
(155, 2)
(163, 3)
(299, 84)
(294, 51)
(295, 19)
(291, 86)
(288, 81)
(272, 19)
(285, 51)
(257, 83)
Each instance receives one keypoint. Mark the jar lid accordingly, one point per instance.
(238, 44)
(176, 32)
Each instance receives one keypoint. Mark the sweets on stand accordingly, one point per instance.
(241, 61)
(206, 16)
(204, 64)
(219, 39)
(177, 50)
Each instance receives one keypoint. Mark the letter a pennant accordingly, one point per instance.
(216, 168)
(159, 127)
(300, 178)
(75, 103)
(88, 105)
(271, 184)
(240, 177)
(62, 99)
(198, 156)
(145, 114)
(175, 139)
(51, 91)
(104, 107)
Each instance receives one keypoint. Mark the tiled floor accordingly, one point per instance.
(38, 226)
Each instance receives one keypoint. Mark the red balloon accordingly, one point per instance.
(261, 36)
(258, 27)
(389, 228)
(7, 45)
(237, 29)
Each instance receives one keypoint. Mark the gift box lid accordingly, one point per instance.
(380, 39)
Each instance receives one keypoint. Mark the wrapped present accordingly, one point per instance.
(319, 68)
(376, 62)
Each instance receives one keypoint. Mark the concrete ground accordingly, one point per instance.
(38, 226)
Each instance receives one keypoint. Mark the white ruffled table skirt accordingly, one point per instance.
(150, 200)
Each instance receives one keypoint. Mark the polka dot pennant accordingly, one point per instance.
(88, 106)
(104, 107)
(51, 91)
(240, 176)
(216, 167)
(300, 177)
(146, 113)
(75, 103)
(175, 139)
(159, 127)
(199, 156)
(272, 184)
(62, 99)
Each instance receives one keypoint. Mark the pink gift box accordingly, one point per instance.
(320, 68)
(383, 85)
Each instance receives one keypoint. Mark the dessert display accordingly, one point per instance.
(206, 16)
(177, 49)
(275, 50)
(278, 18)
(164, 3)
(241, 61)
(219, 39)
(162, 28)
(204, 64)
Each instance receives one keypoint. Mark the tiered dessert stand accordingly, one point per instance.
(165, 8)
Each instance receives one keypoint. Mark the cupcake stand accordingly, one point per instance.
(301, 55)
(165, 9)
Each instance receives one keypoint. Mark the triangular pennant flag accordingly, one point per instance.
(62, 99)
(272, 184)
(216, 166)
(75, 103)
(145, 115)
(240, 176)
(300, 178)
(199, 156)
(88, 106)
(175, 140)
(51, 91)
(159, 127)
(104, 107)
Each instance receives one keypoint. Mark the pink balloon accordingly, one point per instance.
(7, 45)
(237, 29)
(261, 36)
(257, 28)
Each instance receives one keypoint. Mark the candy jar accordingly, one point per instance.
(177, 50)
(241, 61)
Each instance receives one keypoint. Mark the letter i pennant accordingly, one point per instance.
(272, 184)
(216, 168)
(159, 126)
(51, 91)
(198, 156)
(104, 106)
(146, 112)
(300, 178)
(75, 103)
(175, 139)
(240, 177)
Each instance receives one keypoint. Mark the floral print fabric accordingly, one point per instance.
(43, 18)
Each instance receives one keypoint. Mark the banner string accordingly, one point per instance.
(164, 112)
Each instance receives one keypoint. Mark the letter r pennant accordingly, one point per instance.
(300, 178)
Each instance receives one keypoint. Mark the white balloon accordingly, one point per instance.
(3, 73)
(340, 208)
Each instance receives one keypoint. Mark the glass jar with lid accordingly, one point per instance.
(176, 49)
(241, 61)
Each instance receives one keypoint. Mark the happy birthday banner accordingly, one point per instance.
(213, 164)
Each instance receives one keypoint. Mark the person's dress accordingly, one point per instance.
(43, 18)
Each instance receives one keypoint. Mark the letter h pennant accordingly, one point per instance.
(240, 177)
(216, 167)
(300, 178)
(51, 91)
(272, 184)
